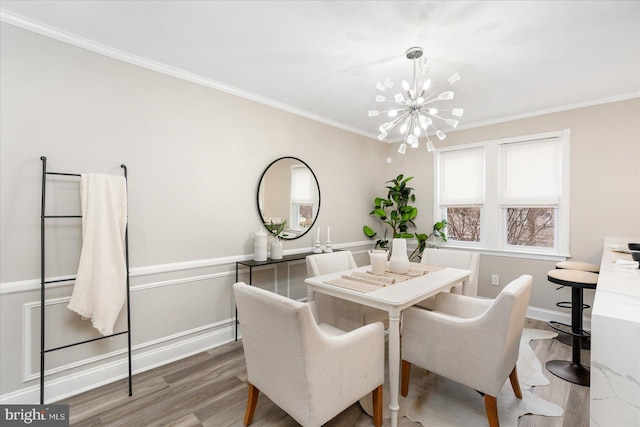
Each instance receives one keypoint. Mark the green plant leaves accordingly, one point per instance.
(368, 231)
(398, 216)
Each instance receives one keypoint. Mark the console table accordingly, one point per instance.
(251, 264)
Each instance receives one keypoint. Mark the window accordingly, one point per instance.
(302, 197)
(509, 195)
(461, 192)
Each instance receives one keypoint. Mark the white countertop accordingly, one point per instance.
(618, 291)
(615, 348)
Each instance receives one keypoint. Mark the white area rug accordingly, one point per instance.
(437, 401)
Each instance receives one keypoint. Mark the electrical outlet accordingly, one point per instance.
(495, 280)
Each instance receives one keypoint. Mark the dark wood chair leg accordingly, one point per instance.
(377, 406)
(252, 400)
(515, 384)
(491, 405)
(406, 370)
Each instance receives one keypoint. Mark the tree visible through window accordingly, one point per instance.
(463, 224)
(531, 227)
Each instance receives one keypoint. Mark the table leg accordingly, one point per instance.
(394, 364)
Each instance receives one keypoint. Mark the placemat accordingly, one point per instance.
(367, 282)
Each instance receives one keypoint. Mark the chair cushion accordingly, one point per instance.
(577, 265)
(573, 278)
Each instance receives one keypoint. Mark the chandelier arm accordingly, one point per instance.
(428, 99)
(409, 129)
(436, 116)
(393, 123)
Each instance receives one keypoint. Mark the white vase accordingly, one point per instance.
(276, 249)
(399, 261)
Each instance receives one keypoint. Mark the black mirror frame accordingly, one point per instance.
(258, 196)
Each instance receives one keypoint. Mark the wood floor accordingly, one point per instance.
(209, 389)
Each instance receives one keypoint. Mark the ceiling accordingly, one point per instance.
(322, 59)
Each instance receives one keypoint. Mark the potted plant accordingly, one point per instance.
(278, 232)
(398, 215)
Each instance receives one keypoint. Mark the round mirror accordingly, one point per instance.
(288, 197)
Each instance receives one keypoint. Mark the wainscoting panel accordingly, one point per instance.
(177, 310)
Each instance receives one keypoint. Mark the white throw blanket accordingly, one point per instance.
(100, 287)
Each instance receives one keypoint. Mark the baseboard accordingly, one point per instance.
(556, 316)
(90, 378)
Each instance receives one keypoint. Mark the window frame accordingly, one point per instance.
(493, 229)
(295, 204)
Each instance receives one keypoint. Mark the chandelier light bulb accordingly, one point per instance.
(446, 95)
(373, 113)
(388, 83)
(398, 98)
(433, 111)
(403, 128)
(385, 126)
(452, 122)
(382, 136)
(416, 130)
(405, 85)
(458, 112)
(430, 146)
(441, 135)
(393, 113)
(403, 148)
(380, 98)
(381, 87)
(426, 85)
(454, 78)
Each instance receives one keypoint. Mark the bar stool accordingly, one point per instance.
(566, 338)
(572, 371)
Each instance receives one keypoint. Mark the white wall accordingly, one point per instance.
(194, 156)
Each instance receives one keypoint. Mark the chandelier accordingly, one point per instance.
(414, 107)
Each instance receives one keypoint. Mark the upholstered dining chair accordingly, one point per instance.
(456, 259)
(312, 371)
(473, 341)
(345, 315)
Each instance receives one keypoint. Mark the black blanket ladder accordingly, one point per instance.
(44, 282)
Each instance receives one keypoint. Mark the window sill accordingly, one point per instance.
(509, 253)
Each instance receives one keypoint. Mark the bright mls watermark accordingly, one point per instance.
(34, 415)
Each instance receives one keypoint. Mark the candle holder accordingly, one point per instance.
(327, 247)
(318, 248)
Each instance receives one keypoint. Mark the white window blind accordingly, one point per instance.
(461, 179)
(301, 182)
(531, 173)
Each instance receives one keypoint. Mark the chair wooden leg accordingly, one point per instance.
(252, 400)
(491, 405)
(515, 384)
(377, 406)
(406, 370)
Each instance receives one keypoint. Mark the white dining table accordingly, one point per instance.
(392, 299)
